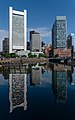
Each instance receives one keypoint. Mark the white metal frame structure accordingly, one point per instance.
(23, 25)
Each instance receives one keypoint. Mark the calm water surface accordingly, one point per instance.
(37, 92)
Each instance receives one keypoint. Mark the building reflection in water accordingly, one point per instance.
(17, 91)
(36, 74)
(71, 76)
(18, 82)
(59, 82)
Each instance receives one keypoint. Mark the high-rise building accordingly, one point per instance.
(17, 30)
(6, 45)
(59, 32)
(71, 43)
(59, 40)
(35, 41)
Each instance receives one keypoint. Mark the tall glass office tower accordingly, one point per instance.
(59, 32)
(17, 30)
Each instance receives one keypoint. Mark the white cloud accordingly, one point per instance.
(3, 34)
(45, 32)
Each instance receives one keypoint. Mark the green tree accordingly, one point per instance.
(30, 55)
(35, 55)
(56, 55)
(42, 55)
(13, 55)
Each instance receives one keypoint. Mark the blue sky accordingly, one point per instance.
(41, 15)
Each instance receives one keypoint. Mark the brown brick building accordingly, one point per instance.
(62, 52)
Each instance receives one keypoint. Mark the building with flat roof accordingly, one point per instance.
(59, 32)
(59, 39)
(6, 45)
(71, 43)
(17, 30)
(35, 41)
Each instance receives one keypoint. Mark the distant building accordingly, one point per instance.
(17, 30)
(35, 41)
(48, 50)
(6, 45)
(62, 52)
(59, 40)
(28, 45)
(42, 44)
(71, 43)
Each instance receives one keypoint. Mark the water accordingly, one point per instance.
(37, 92)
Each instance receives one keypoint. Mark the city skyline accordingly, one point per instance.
(41, 15)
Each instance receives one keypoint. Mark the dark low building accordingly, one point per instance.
(28, 45)
(6, 45)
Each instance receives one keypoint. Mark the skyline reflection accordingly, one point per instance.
(39, 76)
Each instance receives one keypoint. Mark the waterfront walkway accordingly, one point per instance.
(23, 60)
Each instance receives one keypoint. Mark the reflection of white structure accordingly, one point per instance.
(17, 91)
(17, 30)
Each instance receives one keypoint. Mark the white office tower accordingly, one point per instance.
(17, 30)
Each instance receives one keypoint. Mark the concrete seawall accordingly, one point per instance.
(23, 60)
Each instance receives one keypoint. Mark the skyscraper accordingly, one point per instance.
(17, 30)
(59, 33)
(35, 41)
(71, 43)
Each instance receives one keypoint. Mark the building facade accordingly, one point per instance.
(48, 50)
(6, 45)
(17, 30)
(35, 41)
(59, 33)
(71, 43)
